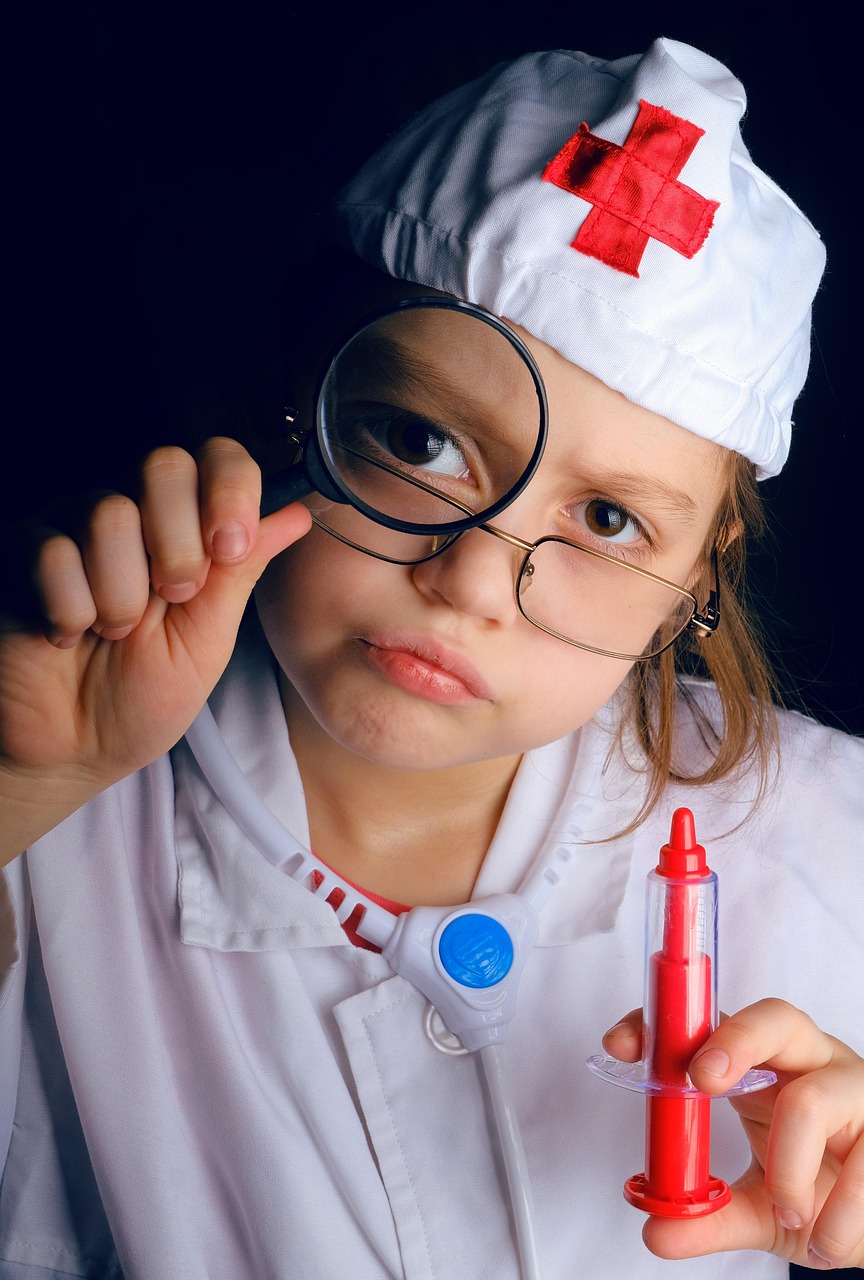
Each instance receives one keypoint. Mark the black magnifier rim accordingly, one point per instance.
(434, 301)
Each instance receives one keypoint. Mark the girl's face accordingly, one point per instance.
(432, 665)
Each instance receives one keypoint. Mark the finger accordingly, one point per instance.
(228, 587)
(116, 566)
(772, 1033)
(624, 1040)
(278, 532)
(274, 535)
(809, 1111)
(837, 1238)
(43, 583)
(745, 1223)
(230, 499)
(64, 597)
(171, 521)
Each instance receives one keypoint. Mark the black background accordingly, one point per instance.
(166, 169)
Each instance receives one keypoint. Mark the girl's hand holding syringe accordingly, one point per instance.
(803, 1195)
(116, 621)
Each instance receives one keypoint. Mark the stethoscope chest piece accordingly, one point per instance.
(467, 961)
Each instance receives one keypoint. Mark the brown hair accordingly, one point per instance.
(733, 658)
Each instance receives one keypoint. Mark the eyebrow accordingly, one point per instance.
(637, 487)
(401, 369)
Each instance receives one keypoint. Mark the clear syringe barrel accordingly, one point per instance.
(680, 985)
(679, 1013)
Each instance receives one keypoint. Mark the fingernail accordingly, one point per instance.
(788, 1218)
(230, 542)
(620, 1029)
(114, 633)
(178, 592)
(66, 642)
(816, 1261)
(713, 1061)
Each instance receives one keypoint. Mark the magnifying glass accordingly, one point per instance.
(430, 419)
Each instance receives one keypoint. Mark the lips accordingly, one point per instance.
(425, 668)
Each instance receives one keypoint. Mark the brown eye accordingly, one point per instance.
(412, 443)
(417, 443)
(604, 519)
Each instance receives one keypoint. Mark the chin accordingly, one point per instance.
(409, 742)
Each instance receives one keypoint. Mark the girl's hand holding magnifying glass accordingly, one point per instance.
(118, 619)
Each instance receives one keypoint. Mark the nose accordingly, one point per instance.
(476, 576)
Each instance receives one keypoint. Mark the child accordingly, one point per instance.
(201, 1075)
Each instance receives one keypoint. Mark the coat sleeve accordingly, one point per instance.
(14, 930)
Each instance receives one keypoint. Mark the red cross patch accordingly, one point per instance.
(634, 189)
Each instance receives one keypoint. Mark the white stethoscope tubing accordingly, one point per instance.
(408, 943)
(515, 1164)
(270, 837)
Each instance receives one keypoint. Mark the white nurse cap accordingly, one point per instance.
(612, 210)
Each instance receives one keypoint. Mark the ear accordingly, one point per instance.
(728, 533)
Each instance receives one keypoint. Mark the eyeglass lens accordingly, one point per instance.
(599, 602)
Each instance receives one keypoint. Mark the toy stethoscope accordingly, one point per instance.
(466, 960)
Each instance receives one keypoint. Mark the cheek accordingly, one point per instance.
(308, 572)
(559, 688)
(309, 590)
(288, 597)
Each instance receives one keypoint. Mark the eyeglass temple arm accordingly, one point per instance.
(707, 621)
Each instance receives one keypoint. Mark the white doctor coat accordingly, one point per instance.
(201, 1079)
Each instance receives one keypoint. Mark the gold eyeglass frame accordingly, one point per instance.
(702, 622)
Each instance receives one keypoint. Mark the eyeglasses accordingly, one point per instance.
(582, 596)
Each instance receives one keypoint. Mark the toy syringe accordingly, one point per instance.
(679, 1014)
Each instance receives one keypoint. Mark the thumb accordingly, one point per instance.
(276, 533)
(229, 586)
(747, 1222)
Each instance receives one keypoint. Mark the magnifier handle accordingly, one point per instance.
(284, 488)
(295, 482)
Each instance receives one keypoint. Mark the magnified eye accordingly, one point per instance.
(418, 443)
(609, 522)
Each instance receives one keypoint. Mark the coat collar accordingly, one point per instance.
(576, 790)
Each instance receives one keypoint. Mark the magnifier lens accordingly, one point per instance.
(431, 419)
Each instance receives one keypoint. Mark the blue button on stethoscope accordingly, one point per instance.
(475, 950)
